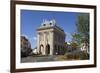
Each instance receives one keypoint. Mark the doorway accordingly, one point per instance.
(48, 49)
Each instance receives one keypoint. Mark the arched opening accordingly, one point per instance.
(41, 49)
(47, 49)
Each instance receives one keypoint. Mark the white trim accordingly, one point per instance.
(52, 64)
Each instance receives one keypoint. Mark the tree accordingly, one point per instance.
(82, 29)
(76, 38)
(83, 23)
(74, 45)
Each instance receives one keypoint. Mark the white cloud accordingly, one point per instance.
(68, 36)
(35, 38)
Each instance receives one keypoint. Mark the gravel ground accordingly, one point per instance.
(38, 59)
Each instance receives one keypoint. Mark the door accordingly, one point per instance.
(48, 49)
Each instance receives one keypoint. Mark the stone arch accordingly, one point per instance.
(47, 49)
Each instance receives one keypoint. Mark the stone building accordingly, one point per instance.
(50, 38)
(25, 46)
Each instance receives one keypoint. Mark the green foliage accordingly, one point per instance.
(77, 38)
(68, 57)
(65, 43)
(74, 45)
(83, 24)
(83, 56)
(82, 28)
(74, 56)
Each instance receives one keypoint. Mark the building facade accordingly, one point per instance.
(25, 46)
(50, 38)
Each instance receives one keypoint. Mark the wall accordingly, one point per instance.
(5, 36)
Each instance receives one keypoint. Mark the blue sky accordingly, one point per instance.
(32, 19)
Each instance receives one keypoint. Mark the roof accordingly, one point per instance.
(46, 24)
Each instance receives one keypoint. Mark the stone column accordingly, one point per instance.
(51, 42)
(38, 42)
(44, 52)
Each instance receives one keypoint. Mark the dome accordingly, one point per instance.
(48, 23)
